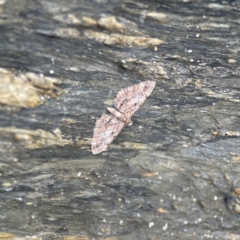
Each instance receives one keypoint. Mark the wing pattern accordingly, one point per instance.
(130, 99)
(106, 129)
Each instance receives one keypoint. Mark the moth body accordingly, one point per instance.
(120, 116)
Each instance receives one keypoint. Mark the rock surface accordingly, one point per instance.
(173, 174)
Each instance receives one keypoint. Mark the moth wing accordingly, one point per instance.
(130, 99)
(105, 131)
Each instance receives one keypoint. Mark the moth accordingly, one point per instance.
(126, 103)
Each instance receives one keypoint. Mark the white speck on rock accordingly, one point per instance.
(231, 61)
(151, 224)
(165, 227)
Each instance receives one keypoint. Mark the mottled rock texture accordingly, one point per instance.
(173, 174)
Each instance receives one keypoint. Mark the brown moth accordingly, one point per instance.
(126, 103)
